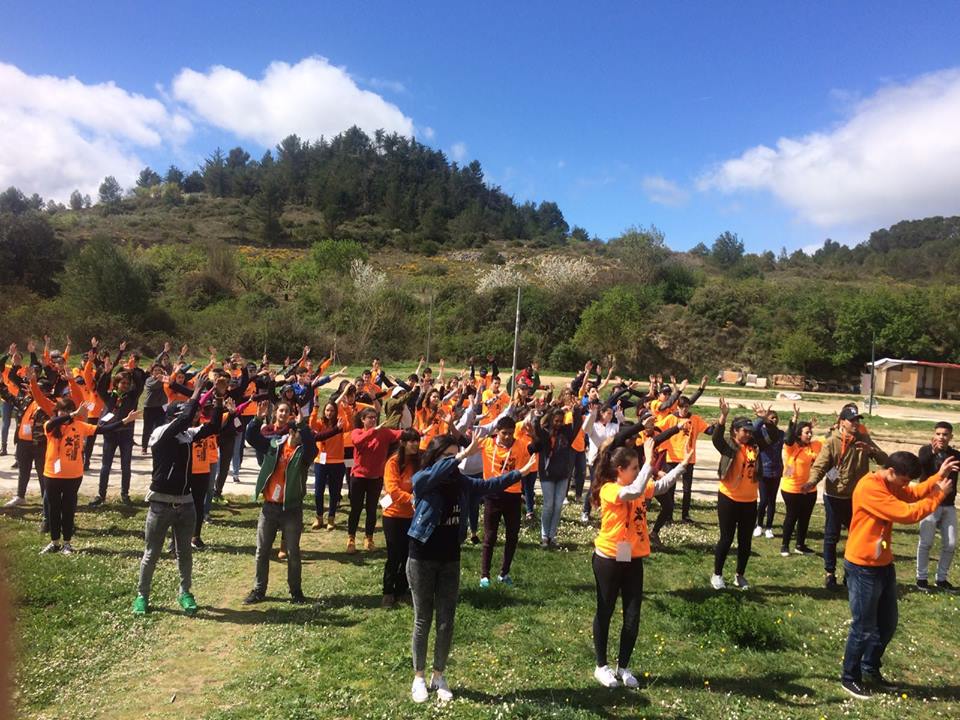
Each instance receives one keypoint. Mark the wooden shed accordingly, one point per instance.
(915, 379)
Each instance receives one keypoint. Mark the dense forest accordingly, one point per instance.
(374, 245)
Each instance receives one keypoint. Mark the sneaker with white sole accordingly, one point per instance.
(439, 683)
(584, 518)
(67, 549)
(741, 582)
(627, 678)
(15, 501)
(604, 675)
(768, 533)
(717, 583)
(419, 690)
(784, 552)
(757, 531)
(50, 548)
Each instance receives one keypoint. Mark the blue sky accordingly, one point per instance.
(670, 114)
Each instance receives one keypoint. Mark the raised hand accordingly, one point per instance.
(123, 345)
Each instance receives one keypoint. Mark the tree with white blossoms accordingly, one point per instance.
(365, 276)
(554, 271)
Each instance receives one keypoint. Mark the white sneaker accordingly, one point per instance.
(757, 531)
(741, 582)
(605, 676)
(443, 690)
(67, 549)
(419, 690)
(717, 583)
(627, 678)
(15, 501)
(784, 553)
(50, 548)
(584, 518)
(768, 533)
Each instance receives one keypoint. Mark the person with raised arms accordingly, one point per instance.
(397, 514)
(800, 451)
(621, 492)
(441, 493)
(932, 456)
(371, 443)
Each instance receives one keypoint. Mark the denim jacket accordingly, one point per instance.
(428, 504)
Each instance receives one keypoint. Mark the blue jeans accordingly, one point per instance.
(237, 458)
(527, 483)
(328, 476)
(554, 492)
(838, 512)
(6, 409)
(873, 606)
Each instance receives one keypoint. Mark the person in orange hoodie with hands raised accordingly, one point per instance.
(881, 499)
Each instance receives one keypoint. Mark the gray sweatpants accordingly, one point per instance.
(273, 518)
(434, 586)
(160, 518)
(946, 519)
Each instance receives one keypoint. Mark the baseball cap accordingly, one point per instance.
(850, 412)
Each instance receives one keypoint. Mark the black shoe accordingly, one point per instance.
(3, 451)
(687, 521)
(803, 550)
(298, 598)
(856, 689)
(878, 680)
(15, 465)
(125, 499)
(197, 544)
(924, 586)
(474, 540)
(97, 501)
(945, 585)
(831, 582)
(254, 597)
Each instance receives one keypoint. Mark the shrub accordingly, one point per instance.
(742, 622)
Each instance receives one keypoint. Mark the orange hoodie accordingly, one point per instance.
(876, 506)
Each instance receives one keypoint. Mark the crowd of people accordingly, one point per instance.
(430, 451)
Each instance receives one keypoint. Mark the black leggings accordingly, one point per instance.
(364, 493)
(152, 419)
(198, 488)
(768, 501)
(30, 456)
(398, 545)
(624, 579)
(507, 506)
(733, 517)
(226, 443)
(799, 509)
(62, 501)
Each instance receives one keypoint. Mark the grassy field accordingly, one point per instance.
(772, 652)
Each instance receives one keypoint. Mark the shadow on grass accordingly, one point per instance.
(591, 699)
(93, 550)
(700, 594)
(493, 598)
(287, 614)
(817, 592)
(326, 602)
(773, 687)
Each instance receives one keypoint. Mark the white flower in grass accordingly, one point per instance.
(365, 276)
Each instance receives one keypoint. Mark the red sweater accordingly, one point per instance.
(370, 449)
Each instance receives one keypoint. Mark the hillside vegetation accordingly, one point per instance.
(361, 243)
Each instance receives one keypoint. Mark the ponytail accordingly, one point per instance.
(610, 459)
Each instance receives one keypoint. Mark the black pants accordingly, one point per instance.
(734, 517)
(768, 501)
(364, 493)
(226, 442)
(398, 544)
(687, 479)
(839, 512)
(507, 506)
(88, 444)
(198, 489)
(152, 419)
(799, 509)
(123, 441)
(668, 502)
(30, 456)
(62, 501)
(623, 579)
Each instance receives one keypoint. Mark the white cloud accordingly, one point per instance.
(664, 192)
(311, 98)
(59, 134)
(394, 86)
(896, 156)
(458, 151)
(429, 133)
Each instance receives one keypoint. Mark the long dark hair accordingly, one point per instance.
(436, 448)
(609, 460)
(406, 436)
(323, 414)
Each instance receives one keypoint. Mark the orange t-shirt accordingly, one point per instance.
(26, 430)
(797, 461)
(623, 521)
(579, 443)
(64, 457)
(204, 454)
(249, 392)
(429, 424)
(740, 482)
(399, 486)
(677, 445)
(329, 451)
(523, 438)
(277, 482)
(347, 413)
(876, 506)
(493, 410)
(499, 461)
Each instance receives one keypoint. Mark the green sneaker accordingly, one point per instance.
(140, 606)
(188, 603)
